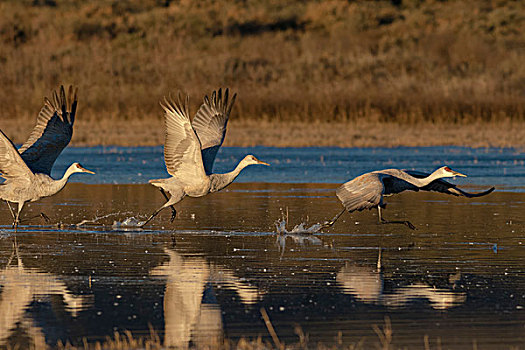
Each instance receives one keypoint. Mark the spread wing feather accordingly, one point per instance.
(446, 187)
(52, 133)
(396, 181)
(182, 149)
(363, 192)
(11, 164)
(210, 125)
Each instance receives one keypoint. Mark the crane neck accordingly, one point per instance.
(70, 171)
(55, 186)
(220, 181)
(422, 182)
(63, 181)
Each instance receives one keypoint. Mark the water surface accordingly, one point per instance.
(458, 278)
(502, 167)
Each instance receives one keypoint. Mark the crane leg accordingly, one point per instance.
(41, 215)
(45, 217)
(155, 213)
(11, 210)
(330, 223)
(176, 196)
(173, 211)
(17, 218)
(404, 222)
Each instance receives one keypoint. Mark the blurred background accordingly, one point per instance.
(401, 61)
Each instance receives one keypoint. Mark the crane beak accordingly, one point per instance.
(85, 170)
(262, 163)
(459, 174)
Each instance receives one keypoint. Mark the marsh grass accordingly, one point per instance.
(384, 341)
(404, 62)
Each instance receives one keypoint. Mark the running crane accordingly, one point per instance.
(190, 149)
(367, 191)
(27, 171)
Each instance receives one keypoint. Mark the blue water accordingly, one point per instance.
(501, 167)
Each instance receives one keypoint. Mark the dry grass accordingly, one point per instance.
(354, 63)
(136, 132)
(384, 341)
(366, 134)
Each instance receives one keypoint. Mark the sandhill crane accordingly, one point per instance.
(190, 149)
(367, 191)
(27, 171)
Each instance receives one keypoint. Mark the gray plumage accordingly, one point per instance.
(367, 191)
(190, 148)
(52, 132)
(210, 125)
(27, 171)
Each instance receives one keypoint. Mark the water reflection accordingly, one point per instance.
(191, 311)
(225, 267)
(366, 285)
(439, 299)
(21, 286)
(296, 238)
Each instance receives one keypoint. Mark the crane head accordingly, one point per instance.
(447, 172)
(249, 160)
(80, 169)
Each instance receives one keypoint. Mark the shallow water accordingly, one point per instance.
(501, 167)
(458, 278)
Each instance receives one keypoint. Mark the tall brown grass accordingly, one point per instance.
(382, 61)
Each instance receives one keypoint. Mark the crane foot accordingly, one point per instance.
(45, 217)
(330, 223)
(406, 223)
(173, 214)
(327, 224)
(409, 224)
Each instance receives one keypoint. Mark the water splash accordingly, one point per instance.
(97, 218)
(300, 234)
(128, 222)
(301, 228)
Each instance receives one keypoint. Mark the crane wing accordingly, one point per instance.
(443, 186)
(52, 133)
(11, 163)
(210, 125)
(182, 148)
(363, 192)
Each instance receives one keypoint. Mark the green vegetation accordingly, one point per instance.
(390, 61)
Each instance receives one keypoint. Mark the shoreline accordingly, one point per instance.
(247, 133)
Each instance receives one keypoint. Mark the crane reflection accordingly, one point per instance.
(366, 284)
(192, 315)
(21, 286)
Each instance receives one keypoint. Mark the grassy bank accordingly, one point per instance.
(361, 133)
(352, 62)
